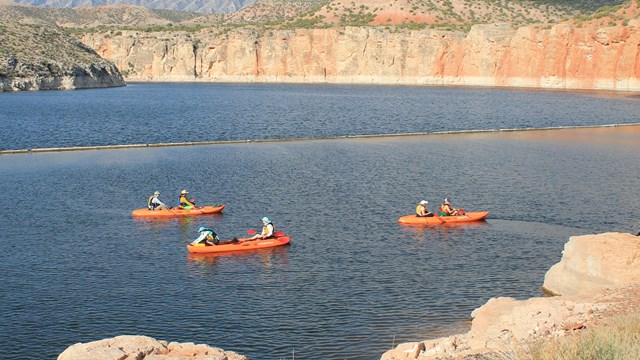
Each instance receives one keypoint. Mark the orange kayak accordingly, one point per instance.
(227, 245)
(204, 210)
(442, 220)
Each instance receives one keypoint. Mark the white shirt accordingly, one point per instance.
(202, 236)
(157, 201)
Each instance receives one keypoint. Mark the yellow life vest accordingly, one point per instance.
(150, 203)
(185, 202)
(265, 229)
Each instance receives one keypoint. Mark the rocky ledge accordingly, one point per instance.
(597, 278)
(41, 57)
(144, 347)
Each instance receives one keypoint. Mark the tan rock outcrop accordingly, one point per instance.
(562, 57)
(595, 262)
(144, 347)
(598, 275)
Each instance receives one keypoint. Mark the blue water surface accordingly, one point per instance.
(76, 267)
(143, 113)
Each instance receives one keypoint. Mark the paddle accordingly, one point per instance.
(167, 207)
(250, 232)
(439, 218)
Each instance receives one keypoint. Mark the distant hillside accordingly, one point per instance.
(96, 16)
(122, 17)
(356, 12)
(199, 6)
(453, 15)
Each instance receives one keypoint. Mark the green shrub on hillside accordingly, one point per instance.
(412, 25)
(359, 19)
(306, 23)
(584, 5)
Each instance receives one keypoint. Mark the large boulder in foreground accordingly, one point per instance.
(147, 348)
(595, 262)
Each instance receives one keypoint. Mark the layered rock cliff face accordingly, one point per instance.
(564, 56)
(71, 76)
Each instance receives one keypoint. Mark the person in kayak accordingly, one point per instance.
(447, 210)
(267, 230)
(421, 209)
(207, 237)
(154, 202)
(185, 203)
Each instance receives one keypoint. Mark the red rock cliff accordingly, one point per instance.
(564, 56)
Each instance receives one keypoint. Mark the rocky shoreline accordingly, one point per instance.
(597, 278)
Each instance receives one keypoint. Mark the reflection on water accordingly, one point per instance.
(444, 232)
(265, 258)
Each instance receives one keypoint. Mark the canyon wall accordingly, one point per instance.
(563, 56)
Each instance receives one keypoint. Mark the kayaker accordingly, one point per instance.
(267, 230)
(207, 237)
(184, 202)
(446, 209)
(154, 202)
(421, 209)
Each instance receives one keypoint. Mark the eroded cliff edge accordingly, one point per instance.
(564, 56)
(41, 57)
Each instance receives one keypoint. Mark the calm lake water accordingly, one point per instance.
(76, 267)
(161, 113)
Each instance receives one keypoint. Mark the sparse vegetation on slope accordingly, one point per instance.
(36, 51)
(450, 15)
(41, 49)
